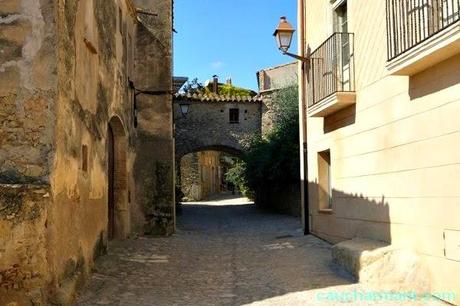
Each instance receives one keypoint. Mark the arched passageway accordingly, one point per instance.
(211, 127)
(118, 208)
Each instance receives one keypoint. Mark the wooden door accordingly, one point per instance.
(111, 191)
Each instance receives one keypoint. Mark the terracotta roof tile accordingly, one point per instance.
(216, 98)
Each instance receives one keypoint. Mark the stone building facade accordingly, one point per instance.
(215, 122)
(383, 132)
(86, 144)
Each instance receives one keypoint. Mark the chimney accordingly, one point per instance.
(262, 86)
(215, 84)
(229, 81)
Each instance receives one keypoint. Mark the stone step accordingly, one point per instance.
(356, 253)
(383, 265)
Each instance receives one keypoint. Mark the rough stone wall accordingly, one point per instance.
(27, 90)
(27, 103)
(154, 166)
(23, 264)
(268, 115)
(207, 126)
(190, 177)
(64, 74)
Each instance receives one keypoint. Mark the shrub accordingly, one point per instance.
(272, 162)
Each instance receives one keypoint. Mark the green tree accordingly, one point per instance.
(272, 162)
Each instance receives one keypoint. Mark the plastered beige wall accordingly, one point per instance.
(92, 88)
(395, 161)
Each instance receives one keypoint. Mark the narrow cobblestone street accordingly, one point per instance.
(224, 253)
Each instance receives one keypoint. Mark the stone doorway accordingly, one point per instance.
(118, 206)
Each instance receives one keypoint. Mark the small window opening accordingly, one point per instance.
(84, 158)
(234, 115)
(324, 180)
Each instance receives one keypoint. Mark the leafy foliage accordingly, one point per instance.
(235, 175)
(234, 91)
(272, 162)
(193, 86)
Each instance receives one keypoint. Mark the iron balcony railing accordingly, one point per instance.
(410, 22)
(332, 68)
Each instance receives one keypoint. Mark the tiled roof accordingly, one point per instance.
(216, 98)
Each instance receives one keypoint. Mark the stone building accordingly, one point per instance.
(86, 140)
(275, 78)
(383, 97)
(214, 122)
(270, 80)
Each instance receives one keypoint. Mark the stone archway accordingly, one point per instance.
(237, 152)
(118, 223)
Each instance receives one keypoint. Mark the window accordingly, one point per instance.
(234, 115)
(341, 26)
(324, 181)
(84, 158)
(341, 18)
(450, 11)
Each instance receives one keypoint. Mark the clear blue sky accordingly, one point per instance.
(229, 38)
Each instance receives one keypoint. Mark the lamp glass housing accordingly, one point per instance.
(184, 108)
(284, 39)
(283, 34)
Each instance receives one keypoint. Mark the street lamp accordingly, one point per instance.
(283, 35)
(184, 109)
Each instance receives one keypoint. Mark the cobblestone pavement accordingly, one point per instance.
(224, 253)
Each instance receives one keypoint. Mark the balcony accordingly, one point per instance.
(332, 76)
(421, 33)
